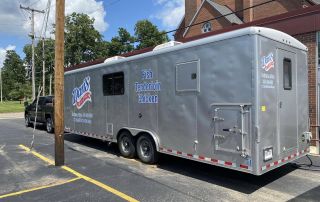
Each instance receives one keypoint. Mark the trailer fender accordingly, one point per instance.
(136, 131)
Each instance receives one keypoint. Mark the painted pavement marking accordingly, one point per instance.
(38, 188)
(79, 175)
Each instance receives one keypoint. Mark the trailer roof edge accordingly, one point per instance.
(262, 31)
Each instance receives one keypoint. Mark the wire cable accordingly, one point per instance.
(211, 19)
(303, 166)
(48, 13)
(35, 119)
(221, 16)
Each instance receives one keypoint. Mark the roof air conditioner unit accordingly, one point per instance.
(114, 58)
(167, 45)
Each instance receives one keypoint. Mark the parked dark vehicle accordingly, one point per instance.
(44, 113)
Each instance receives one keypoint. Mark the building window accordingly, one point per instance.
(206, 27)
(113, 84)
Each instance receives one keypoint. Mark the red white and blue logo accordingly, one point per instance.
(82, 94)
(267, 62)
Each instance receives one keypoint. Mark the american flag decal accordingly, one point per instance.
(267, 62)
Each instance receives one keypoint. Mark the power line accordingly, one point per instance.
(47, 19)
(22, 13)
(43, 21)
(211, 19)
(35, 2)
(33, 11)
(220, 16)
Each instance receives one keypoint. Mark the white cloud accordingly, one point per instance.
(3, 52)
(15, 21)
(171, 13)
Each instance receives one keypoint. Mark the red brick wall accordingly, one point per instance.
(271, 9)
(207, 12)
(264, 11)
(179, 33)
(309, 39)
(234, 5)
(191, 7)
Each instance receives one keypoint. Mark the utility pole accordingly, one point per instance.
(32, 37)
(43, 65)
(50, 85)
(43, 70)
(59, 84)
(1, 83)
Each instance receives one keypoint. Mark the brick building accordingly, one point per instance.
(299, 18)
(198, 11)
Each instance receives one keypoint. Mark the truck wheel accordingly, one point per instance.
(126, 145)
(146, 150)
(27, 120)
(49, 125)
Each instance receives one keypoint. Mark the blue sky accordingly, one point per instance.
(109, 14)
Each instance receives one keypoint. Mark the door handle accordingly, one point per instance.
(280, 104)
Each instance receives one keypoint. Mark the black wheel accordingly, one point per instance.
(27, 120)
(146, 150)
(49, 125)
(126, 145)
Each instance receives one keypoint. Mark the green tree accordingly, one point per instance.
(148, 35)
(123, 43)
(49, 61)
(82, 41)
(15, 85)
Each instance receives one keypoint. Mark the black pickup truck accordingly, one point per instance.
(44, 113)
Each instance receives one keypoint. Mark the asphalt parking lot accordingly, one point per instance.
(95, 171)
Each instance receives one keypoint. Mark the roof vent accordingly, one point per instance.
(114, 58)
(167, 45)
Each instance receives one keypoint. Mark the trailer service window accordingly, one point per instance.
(287, 74)
(113, 84)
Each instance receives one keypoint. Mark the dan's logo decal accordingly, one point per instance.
(81, 95)
(267, 62)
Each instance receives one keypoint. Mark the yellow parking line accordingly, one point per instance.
(38, 188)
(88, 179)
(37, 155)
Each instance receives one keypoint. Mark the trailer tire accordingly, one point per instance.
(49, 125)
(126, 145)
(146, 149)
(27, 120)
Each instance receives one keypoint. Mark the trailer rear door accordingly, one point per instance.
(287, 100)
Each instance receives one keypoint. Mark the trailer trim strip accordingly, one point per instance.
(281, 161)
(101, 137)
(209, 160)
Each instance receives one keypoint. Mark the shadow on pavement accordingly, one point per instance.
(231, 179)
(92, 143)
(311, 195)
(235, 180)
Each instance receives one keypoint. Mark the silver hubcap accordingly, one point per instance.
(145, 148)
(49, 125)
(125, 145)
(27, 121)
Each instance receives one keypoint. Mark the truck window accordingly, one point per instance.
(287, 74)
(48, 100)
(113, 84)
(41, 100)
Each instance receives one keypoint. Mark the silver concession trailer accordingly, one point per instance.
(237, 100)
